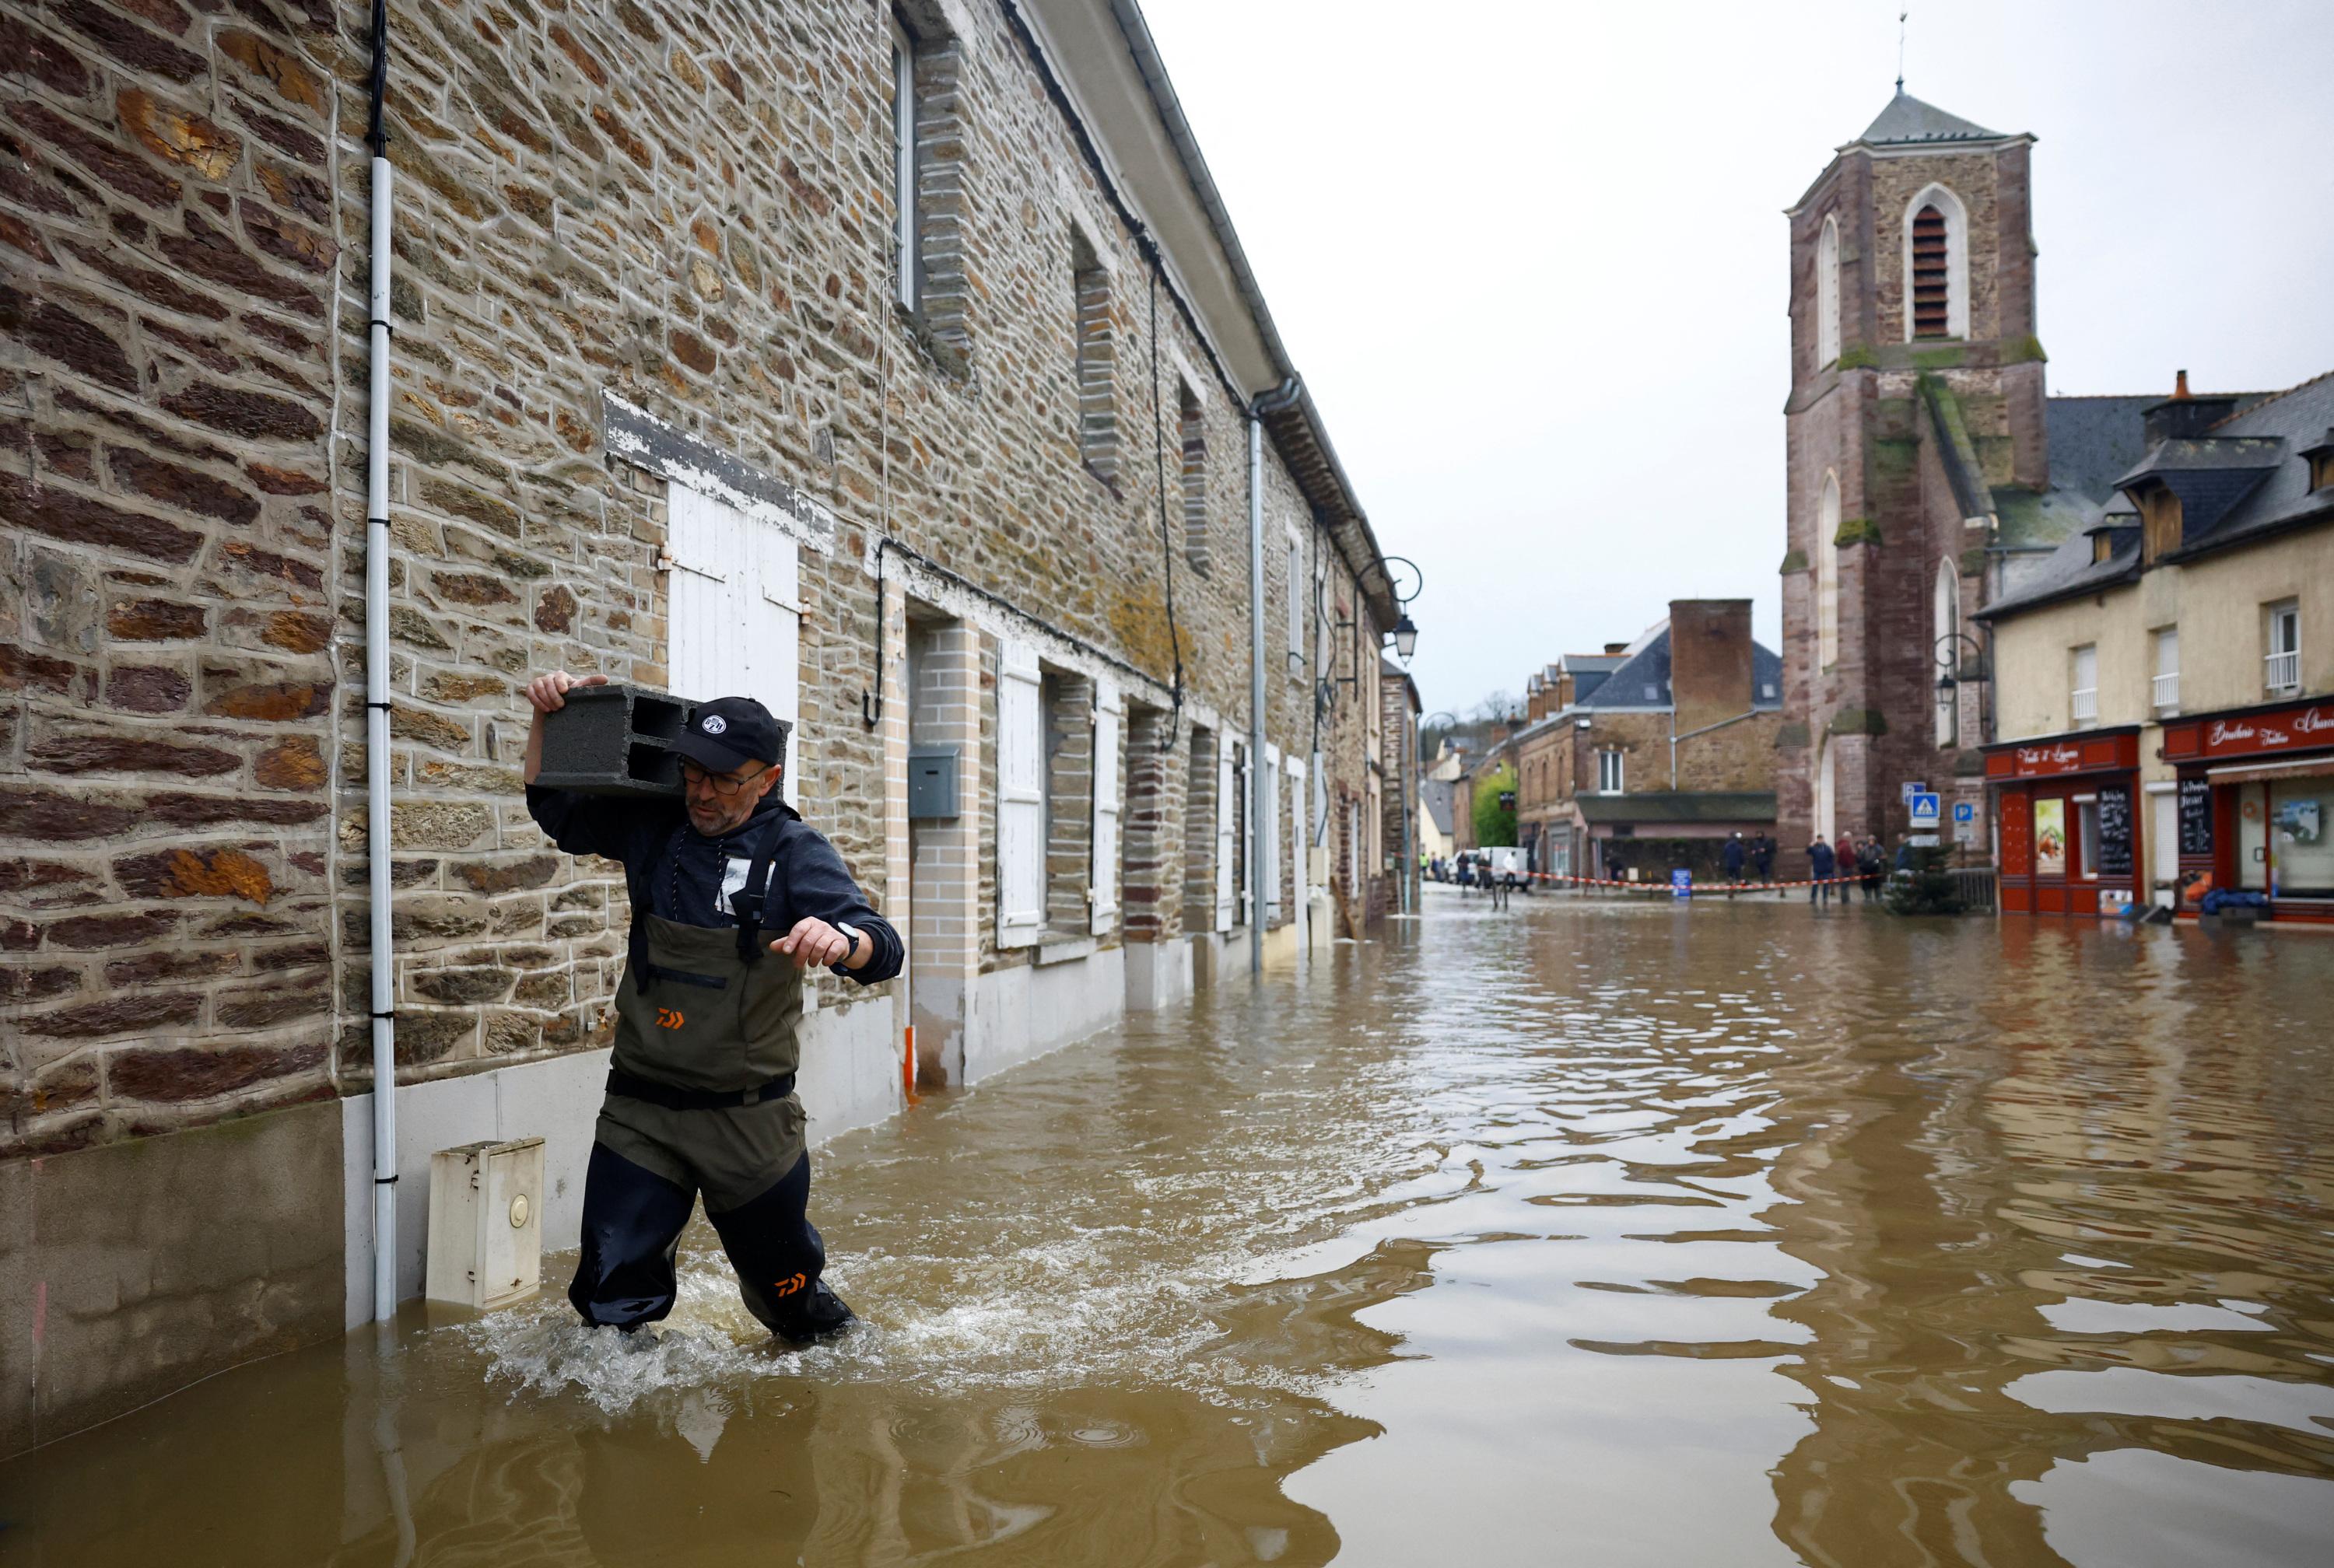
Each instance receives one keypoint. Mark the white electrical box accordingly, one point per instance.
(486, 1223)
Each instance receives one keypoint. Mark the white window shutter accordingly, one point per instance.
(1227, 782)
(1269, 833)
(1102, 899)
(1020, 798)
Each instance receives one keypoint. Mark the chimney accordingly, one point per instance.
(2184, 414)
(1710, 659)
(1613, 648)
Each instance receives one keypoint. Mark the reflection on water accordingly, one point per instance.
(1594, 1233)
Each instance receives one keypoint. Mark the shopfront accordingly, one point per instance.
(2066, 818)
(2256, 808)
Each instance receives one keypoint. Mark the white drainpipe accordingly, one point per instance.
(377, 758)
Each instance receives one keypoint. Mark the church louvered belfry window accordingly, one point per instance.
(1932, 276)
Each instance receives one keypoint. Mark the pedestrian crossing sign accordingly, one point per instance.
(1924, 810)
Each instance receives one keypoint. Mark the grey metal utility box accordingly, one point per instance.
(615, 740)
(932, 783)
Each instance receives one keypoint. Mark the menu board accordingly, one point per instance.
(2114, 831)
(2196, 817)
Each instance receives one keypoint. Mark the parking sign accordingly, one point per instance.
(1965, 812)
(1925, 810)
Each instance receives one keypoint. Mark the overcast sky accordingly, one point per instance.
(1530, 257)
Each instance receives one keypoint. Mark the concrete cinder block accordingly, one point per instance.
(615, 740)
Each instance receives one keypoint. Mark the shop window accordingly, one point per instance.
(2087, 836)
(2302, 818)
(2083, 700)
(2283, 673)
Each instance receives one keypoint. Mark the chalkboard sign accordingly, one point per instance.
(2114, 831)
(2196, 817)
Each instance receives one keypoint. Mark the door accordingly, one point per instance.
(736, 612)
(2164, 846)
(2253, 837)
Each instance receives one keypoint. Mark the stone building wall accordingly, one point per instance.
(688, 208)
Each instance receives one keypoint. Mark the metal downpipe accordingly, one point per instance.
(377, 758)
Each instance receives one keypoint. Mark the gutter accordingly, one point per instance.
(377, 755)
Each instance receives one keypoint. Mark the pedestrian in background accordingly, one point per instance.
(1843, 861)
(1731, 857)
(1762, 859)
(1869, 863)
(1821, 860)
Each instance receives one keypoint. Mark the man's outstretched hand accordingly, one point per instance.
(548, 693)
(813, 941)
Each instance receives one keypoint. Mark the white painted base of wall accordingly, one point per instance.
(1029, 1010)
(1158, 975)
(849, 1077)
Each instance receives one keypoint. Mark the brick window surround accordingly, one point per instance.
(1097, 357)
(1192, 437)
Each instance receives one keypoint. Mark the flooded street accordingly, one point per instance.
(1590, 1232)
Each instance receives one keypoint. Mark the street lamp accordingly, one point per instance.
(1406, 630)
(1406, 637)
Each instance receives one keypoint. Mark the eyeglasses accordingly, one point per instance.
(720, 784)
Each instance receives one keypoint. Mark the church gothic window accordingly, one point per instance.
(1828, 294)
(1936, 266)
(1827, 555)
(1949, 626)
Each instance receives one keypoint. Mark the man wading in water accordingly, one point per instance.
(701, 1090)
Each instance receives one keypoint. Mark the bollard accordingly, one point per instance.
(614, 740)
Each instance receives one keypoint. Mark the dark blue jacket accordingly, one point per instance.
(1820, 860)
(672, 871)
(1732, 857)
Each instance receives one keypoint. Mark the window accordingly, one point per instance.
(1936, 266)
(907, 260)
(1827, 555)
(2163, 688)
(2084, 701)
(1828, 294)
(1948, 625)
(1297, 600)
(1096, 360)
(1609, 778)
(2284, 672)
(2159, 523)
(2087, 836)
(1194, 445)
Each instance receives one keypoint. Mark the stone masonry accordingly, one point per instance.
(687, 207)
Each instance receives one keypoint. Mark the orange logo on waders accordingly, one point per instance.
(669, 1018)
(791, 1284)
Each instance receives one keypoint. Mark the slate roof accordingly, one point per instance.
(1908, 120)
(1436, 794)
(2243, 478)
(1680, 806)
(1643, 680)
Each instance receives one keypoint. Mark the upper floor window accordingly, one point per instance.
(1827, 555)
(2163, 686)
(2084, 700)
(2284, 663)
(1609, 777)
(1936, 266)
(1096, 359)
(1948, 624)
(2321, 459)
(1296, 601)
(2159, 523)
(1828, 294)
(1191, 434)
(908, 263)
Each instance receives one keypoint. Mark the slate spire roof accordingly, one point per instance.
(1908, 120)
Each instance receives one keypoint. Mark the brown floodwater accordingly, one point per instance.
(1590, 1232)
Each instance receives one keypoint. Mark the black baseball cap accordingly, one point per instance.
(726, 734)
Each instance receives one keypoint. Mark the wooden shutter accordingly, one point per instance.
(1102, 894)
(1020, 798)
(1227, 782)
(1268, 834)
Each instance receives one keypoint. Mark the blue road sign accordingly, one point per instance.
(1924, 811)
(1964, 811)
(1681, 883)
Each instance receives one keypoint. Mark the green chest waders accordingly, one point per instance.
(700, 1099)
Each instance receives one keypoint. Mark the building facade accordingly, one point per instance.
(900, 371)
(1658, 753)
(2166, 683)
(1927, 471)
